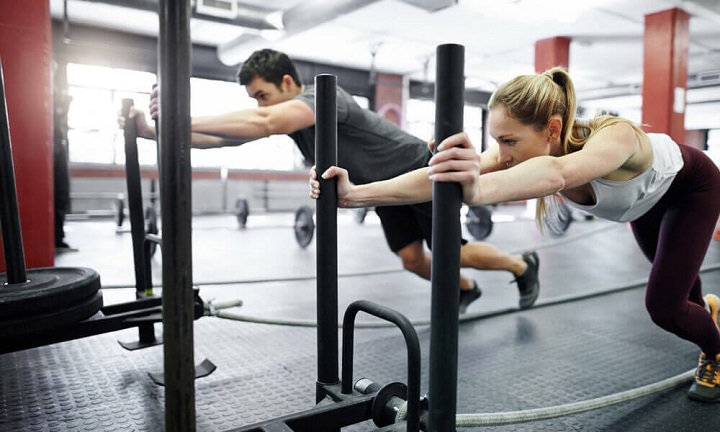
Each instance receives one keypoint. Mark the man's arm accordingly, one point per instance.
(203, 141)
(240, 127)
(251, 124)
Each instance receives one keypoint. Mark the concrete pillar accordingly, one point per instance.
(665, 72)
(551, 52)
(390, 97)
(26, 58)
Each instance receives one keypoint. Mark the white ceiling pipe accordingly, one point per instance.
(304, 16)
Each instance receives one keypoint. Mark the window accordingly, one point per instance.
(94, 136)
(421, 120)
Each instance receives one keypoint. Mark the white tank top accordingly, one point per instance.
(624, 201)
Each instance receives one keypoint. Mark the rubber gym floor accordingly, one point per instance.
(589, 335)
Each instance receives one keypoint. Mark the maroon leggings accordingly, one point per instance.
(675, 235)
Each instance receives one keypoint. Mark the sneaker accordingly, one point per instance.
(469, 296)
(706, 387)
(528, 283)
(712, 304)
(64, 247)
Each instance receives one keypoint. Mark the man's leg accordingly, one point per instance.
(417, 260)
(484, 256)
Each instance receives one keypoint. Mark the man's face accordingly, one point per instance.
(267, 94)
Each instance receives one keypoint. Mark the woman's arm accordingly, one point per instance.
(606, 152)
(408, 188)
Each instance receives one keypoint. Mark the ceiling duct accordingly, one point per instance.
(247, 16)
(304, 16)
(219, 8)
(432, 5)
(704, 79)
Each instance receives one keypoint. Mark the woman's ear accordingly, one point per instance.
(555, 128)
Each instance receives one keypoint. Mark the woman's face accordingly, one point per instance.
(517, 142)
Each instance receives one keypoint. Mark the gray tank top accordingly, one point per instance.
(624, 201)
(369, 146)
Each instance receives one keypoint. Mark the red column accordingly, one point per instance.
(552, 52)
(26, 58)
(389, 97)
(665, 72)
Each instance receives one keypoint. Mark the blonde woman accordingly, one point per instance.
(608, 167)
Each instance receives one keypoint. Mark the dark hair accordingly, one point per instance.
(269, 65)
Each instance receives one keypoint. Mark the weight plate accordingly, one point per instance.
(478, 221)
(69, 313)
(557, 217)
(151, 226)
(380, 414)
(120, 214)
(360, 215)
(47, 289)
(242, 211)
(304, 226)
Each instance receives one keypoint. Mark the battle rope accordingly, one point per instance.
(509, 417)
(465, 318)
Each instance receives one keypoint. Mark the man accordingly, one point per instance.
(370, 147)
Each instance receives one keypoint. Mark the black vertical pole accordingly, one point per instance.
(175, 177)
(133, 178)
(446, 234)
(9, 213)
(327, 283)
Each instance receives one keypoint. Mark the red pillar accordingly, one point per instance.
(552, 52)
(665, 72)
(26, 59)
(389, 97)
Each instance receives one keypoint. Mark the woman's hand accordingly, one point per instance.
(457, 161)
(344, 187)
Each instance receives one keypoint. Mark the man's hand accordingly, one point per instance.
(154, 105)
(144, 129)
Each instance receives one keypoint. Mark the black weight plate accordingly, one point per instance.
(379, 412)
(151, 221)
(557, 217)
(54, 320)
(304, 226)
(242, 211)
(151, 226)
(360, 215)
(47, 289)
(120, 215)
(478, 221)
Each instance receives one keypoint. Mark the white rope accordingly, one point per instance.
(512, 417)
(501, 418)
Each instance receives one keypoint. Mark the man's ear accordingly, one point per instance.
(288, 82)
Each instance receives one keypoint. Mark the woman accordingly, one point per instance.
(608, 167)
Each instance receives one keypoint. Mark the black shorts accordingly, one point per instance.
(405, 224)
